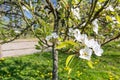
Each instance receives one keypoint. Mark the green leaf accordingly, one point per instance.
(40, 43)
(90, 64)
(37, 47)
(118, 18)
(69, 60)
(61, 45)
(108, 18)
(69, 71)
(101, 1)
(69, 43)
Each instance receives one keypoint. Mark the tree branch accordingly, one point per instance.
(17, 36)
(118, 36)
(100, 10)
(93, 5)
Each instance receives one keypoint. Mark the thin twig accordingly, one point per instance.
(100, 10)
(18, 35)
(116, 37)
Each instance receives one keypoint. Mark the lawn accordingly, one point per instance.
(39, 66)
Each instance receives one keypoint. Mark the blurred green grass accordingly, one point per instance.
(39, 66)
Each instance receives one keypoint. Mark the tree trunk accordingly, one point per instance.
(55, 63)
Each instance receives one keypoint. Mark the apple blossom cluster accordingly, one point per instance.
(52, 35)
(90, 45)
(17, 31)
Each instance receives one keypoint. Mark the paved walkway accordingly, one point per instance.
(19, 47)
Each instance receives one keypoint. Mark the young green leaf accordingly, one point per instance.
(69, 60)
(90, 64)
(108, 18)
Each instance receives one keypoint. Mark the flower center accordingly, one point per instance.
(85, 54)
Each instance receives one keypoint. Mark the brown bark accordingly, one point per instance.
(55, 63)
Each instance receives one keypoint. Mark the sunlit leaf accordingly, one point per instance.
(37, 47)
(68, 43)
(108, 18)
(69, 59)
(101, 1)
(69, 71)
(90, 64)
(118, 18)
(61, 45)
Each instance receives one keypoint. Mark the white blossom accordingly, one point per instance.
(76, 33)
(90, 43)
(98, 51)
(99, 4)
(24, 8)
(70, 33)
(118, 7)
(53, 35)
(95, 46)
(83, 24)
(76, 12)
(17, 31)
(110, 8)
(114, 20)
(79, 37)
(85, 53)
(95, 28)
(71, 30)
(48, 38)
(58, 7)
(31, 6)
(82, 38)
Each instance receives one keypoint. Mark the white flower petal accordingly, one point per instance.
(110, 8)
(48, 38)
(118, 7)
(76, 33)
(17, 31)
(70, 30)
(95, 28)
(24, 8)
(90, 43)
(83, 24)
(85, 53)
(76, 13)
(98, 51)
(83, 38)
(54, 35)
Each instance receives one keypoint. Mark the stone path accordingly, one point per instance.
(19, 47)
